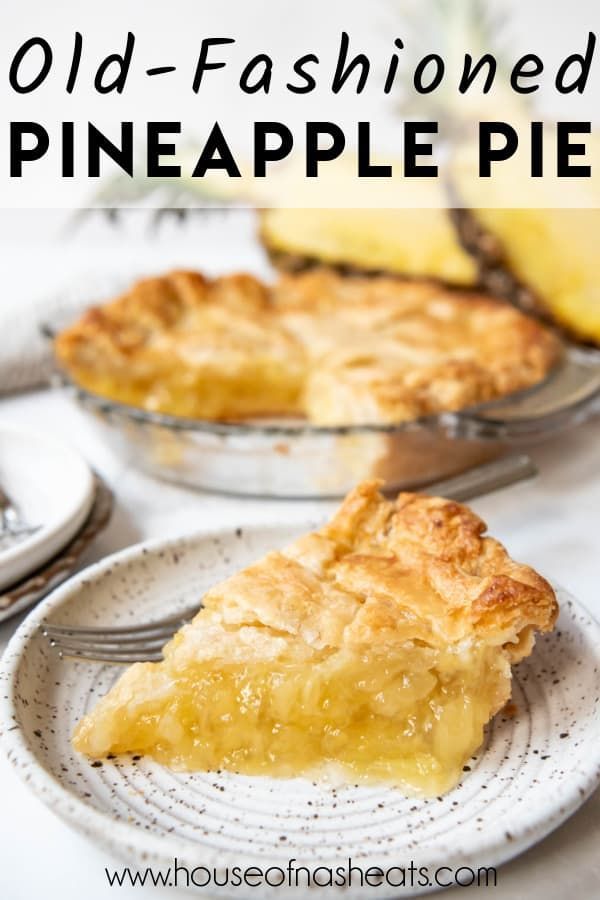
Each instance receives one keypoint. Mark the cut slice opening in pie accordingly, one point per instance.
(375, 649)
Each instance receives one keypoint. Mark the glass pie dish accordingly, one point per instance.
(292, 459)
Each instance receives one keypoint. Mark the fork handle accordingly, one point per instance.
(485, 478)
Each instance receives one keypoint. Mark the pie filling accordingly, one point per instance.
(257, 389)
(411, 717)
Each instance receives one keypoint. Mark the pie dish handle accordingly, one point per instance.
(484, 479)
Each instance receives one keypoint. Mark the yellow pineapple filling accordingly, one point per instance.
(409, 716)
(258, 389)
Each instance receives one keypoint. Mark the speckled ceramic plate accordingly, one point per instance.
(534, 770)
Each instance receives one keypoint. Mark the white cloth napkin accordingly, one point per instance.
(26, 327)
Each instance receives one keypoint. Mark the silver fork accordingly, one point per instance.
(12, 525)
(127, 644)
(143, 643)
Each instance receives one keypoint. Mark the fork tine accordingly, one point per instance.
(110, 636)
(110, 646)
(169, 624)
(123, 658)
(124, 644)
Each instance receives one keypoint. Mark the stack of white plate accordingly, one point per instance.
(54, 492)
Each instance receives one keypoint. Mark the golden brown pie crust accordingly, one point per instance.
(335, 350)
(384, 572)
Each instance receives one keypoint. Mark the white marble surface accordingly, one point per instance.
(552, 523)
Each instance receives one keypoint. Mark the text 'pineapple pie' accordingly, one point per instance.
(375, 649)
(334, 350)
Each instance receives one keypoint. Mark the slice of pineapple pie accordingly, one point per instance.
(373, 650)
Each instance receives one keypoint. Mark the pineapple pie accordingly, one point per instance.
(375, 649)
(334, 350)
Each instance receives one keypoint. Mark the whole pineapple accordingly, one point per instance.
(540, 257)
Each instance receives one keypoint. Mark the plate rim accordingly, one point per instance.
(41, 582)
(142, 847)
(49, 539)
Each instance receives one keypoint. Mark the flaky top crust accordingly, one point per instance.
(347, 350)
(381, 573)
